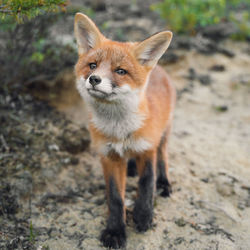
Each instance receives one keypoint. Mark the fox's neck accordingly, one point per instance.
(121, 119)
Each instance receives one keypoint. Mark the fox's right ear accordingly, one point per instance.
(87, 34)
(149, 51)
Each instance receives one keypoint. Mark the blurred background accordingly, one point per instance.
(51, 185)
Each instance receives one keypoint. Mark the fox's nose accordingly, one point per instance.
(94, 80)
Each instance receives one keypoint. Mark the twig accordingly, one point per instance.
(4, 143)
(37, 78)
(2, 156)
(5, 11)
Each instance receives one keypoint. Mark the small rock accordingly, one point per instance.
(204, 45)
(205, 180)
(182, 42)
(74, 160)
(241, 205)
(224, 185)
(135, 10)
(226, 52)
(221, 108)
(128, 202)
(179, 240)
(97, 200)
(217, 68)
(180, 222)
(87, 216)
(66, 161)
(204, 79)
(219, 31)
(169, 57)
(191, 74)
(53, 147)
(52, 232)
(98, 5)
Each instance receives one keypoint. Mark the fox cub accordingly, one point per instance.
(130, 102)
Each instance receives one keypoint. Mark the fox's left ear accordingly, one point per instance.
(87, 34)
(149, 51)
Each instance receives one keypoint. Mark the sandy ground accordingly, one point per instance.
(209, 167)
(53, 197)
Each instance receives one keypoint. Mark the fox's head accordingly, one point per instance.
(110, 71)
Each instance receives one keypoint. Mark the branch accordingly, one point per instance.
(2, 10)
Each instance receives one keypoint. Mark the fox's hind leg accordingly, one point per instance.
(162, 166)
(131, 168)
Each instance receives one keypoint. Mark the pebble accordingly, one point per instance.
(53, 147)
(224, 185)
(204, 79)
(87, 216)
(217, 68)
(180, 222)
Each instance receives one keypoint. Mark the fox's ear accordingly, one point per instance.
(149, 51)
(87, 34)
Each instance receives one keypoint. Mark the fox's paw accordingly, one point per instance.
(114, 238)
(143, 218)
(165, 186)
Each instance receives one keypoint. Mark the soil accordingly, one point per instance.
(52, 192)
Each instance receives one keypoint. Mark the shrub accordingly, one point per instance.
(187, 16)
(26, 49)
(22, 9)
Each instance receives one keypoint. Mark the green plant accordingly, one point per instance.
(27, 49)
(186, 16)
(32, 235)
(22, 9)
(243, 25)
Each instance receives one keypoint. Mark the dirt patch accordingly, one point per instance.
(62, 193)
(52, 193)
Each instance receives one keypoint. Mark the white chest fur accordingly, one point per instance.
(118, 119)
(117, 123)
(123, 146)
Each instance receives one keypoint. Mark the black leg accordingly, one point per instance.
(162, 167)
(115, 173)
(162, 180)
(143, 210)
(131, 168)
(114, 236)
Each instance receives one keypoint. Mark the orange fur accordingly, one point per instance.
(155, 96)
(157, 105)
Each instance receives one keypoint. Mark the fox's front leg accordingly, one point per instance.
(143, 210)
(114, 236)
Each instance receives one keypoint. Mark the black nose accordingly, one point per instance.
(94, 80)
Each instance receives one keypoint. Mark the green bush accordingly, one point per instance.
(187, 16)
(30, 51)
(26, 45)
(23, 9)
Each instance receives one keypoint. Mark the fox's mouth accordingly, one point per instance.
(99, 94)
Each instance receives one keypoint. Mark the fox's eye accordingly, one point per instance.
(92, 65)
(121, 71)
